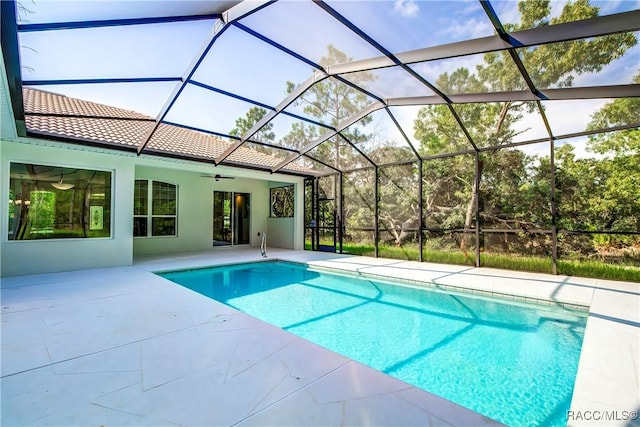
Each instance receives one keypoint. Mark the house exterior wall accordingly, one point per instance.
(195, 210)
(195, 207)
(195, 204)
(279, 235)
(279, 230)
(7, 122)
(20, 257)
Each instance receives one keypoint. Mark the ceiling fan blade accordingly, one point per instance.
(218, 177)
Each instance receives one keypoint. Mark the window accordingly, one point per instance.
(53, 202)
(282, 202)
(154, 212)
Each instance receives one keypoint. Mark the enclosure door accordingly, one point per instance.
(326, 225)
(231, 218)
(320, 217)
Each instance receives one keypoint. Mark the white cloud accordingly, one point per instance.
(433, 69)
(407, 8)
(469, 29)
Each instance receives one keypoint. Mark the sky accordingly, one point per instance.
(243, 64)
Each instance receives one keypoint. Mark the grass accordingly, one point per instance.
(582, 268)
(599, 270)
(519, 263)
(353, 249)
(448, 257)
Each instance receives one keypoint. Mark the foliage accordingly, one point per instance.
(264, 134)
(12, 206)
(253, 116)
(597, 269)
(42, 211)
(445, 191)
(601, 192)
(560, 63)
(330, 102)
(488, 182)
(359, 204)
(492, 124)
(619, 200)
(514, 188)
(399, 210)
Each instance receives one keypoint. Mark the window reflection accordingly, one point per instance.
(162, 199)
(51, 202)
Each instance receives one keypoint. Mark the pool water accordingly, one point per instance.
(513, 362)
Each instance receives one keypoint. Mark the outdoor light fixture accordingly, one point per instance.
(61, 185)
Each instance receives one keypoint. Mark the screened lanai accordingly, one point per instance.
(466, 132)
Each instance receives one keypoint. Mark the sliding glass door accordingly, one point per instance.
(231, 218)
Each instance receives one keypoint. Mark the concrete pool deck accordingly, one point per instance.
(122, 346)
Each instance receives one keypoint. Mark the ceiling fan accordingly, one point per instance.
(218, 177)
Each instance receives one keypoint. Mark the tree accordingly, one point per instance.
(602, 192)
(399, 205)
(244, 124)
(330, 102)
(492, 124)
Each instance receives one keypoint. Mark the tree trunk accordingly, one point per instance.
(468, 220)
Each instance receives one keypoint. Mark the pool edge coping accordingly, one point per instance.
(581, 309)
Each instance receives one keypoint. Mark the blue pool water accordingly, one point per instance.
(513, 362)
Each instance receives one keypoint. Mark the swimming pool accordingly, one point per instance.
(513, 362)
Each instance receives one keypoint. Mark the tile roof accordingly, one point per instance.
(38, 101)
(57, 115)
(119, 132)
